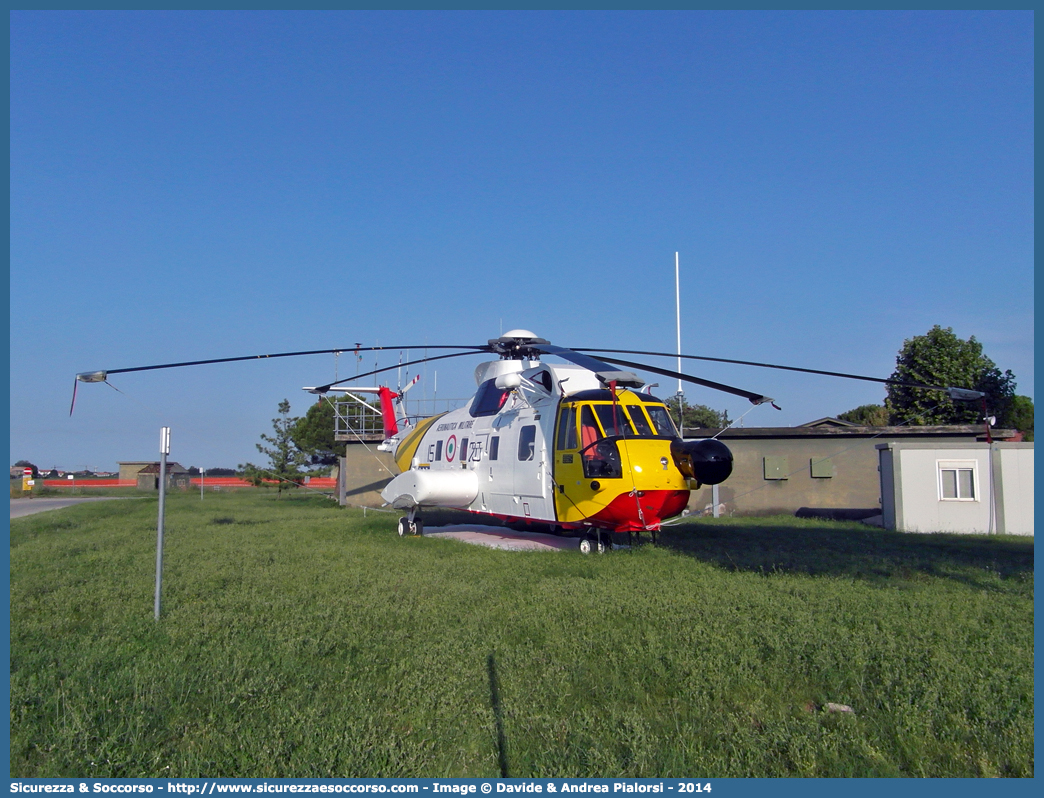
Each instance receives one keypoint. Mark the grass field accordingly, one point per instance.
(300, 639)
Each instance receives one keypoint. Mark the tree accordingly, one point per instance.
(314, 435)
(698, 416)
(285, 459)
(1022, 416)
(941, 358)
(27, 464)
(866, 416)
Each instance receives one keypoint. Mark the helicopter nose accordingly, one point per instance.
(708, 461)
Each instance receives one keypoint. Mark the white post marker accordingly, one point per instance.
(164, 451)
(677, 314)
(677, 319)
(202, 474)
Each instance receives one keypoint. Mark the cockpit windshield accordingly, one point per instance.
(615, 423)
(661, 420)
(617, 420)
(638, 419)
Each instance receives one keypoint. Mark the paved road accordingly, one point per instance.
(21, 507)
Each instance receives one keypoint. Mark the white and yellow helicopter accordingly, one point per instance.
(576, 446)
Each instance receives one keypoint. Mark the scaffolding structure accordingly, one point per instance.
(356, 419)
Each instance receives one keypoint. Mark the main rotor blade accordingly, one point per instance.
(99, 376)
(329, 385)
(843, 375)
(601, 368)
(754, 398)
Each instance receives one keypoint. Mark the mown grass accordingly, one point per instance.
(300, 639)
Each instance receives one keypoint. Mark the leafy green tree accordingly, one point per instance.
(1022, 416)
(698, 416)
(941, 358)
(314, 435)
(285, 458)
(27, 464)
(866, 416)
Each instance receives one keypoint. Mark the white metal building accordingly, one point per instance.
(976, 488)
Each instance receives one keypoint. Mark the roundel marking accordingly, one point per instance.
(451, 448)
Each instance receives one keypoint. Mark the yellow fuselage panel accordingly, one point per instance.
(646, 465)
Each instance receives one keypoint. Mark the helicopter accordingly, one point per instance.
(577, 447)
(583, 447)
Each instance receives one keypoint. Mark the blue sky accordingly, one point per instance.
(187, 185)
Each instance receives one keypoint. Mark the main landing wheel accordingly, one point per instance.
(592, 543)
(417, 527)
(404, 526)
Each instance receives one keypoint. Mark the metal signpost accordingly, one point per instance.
(164, 451)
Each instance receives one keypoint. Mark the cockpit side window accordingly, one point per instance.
(567, 429)
(589, 431)
(614, 422)
(544, 379)
(661, 420)
(488, 399)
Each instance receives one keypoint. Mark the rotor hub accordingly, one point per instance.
(517, 345)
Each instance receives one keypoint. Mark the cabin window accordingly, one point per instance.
(463, 450)
(567, 429)
(527, 442)
(438, 450)
(494, 447)
(614, 422)
(661, 420)
(638, 419)
(488, 399)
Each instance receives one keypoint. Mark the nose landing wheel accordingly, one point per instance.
(411, 527)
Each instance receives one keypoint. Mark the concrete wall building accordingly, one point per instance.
(827, 465)
(362, 474)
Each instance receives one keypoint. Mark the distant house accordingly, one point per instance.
(177, 476)
(129, 468)
(825, 465)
